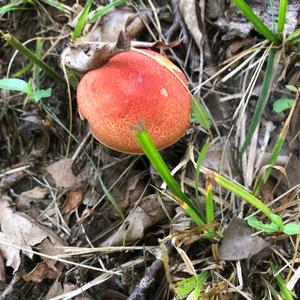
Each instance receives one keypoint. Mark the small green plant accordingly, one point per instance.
(193, 286)
(19, 85)
(82, 18)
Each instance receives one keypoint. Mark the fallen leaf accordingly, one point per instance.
(27, 197)
(35, 193)
(238, 242)
(148, 213)
(73, 200)
(112, 36)
(62, 173)
(40, 272)
(20, 230)
(76, 59)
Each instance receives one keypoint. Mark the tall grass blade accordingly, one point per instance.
(197, 175)
(255, 20)
(36, 68)
(200, 114)
(293, 35)
(277, 148)
(104, 10)
(262, 100)
(210, 211)
(14, 42)
(282, 15)
(16, 5)
(285, 292)
(159, 164)
(58, 5)
(242, 193)
(81, 20)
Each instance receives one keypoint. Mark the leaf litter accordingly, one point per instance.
(74, 206)
(22, 231)
(239, 243)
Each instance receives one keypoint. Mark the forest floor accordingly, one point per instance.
(81, 221)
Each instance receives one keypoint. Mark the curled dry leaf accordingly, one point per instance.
(238, 242)
(62, 173)
(40, 272)
(73, 200)
(80, 61)
(114, 35)
(111, 37)
(20, 230)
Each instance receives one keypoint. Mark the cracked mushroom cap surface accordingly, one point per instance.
(132, 88)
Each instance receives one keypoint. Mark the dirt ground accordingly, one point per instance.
(81, 221)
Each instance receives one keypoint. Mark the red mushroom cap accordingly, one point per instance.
(131, 88)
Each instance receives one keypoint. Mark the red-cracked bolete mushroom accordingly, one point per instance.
(134, 87)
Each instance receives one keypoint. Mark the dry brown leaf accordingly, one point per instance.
(20, 230)
(62, 173)
(79, 60)
(238, 242)
(40, 272)
(27, 197)
(148, 213)
(73, 200)
(112, 36)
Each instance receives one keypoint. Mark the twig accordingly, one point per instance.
(149, 277)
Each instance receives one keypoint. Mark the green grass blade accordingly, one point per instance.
(14, 84)
(11, 40)
(200, 114)
(36, 68)
(293, 35)
(17, 5)
(262, 100)
(277, 148)
(255, 20)
(81, 20)
(285, 292)
(244, 194)
(23, 70)
(104, 10)
(58, 5)
(210, 211)
(159, 164)
(282, 15)
(197, 175)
